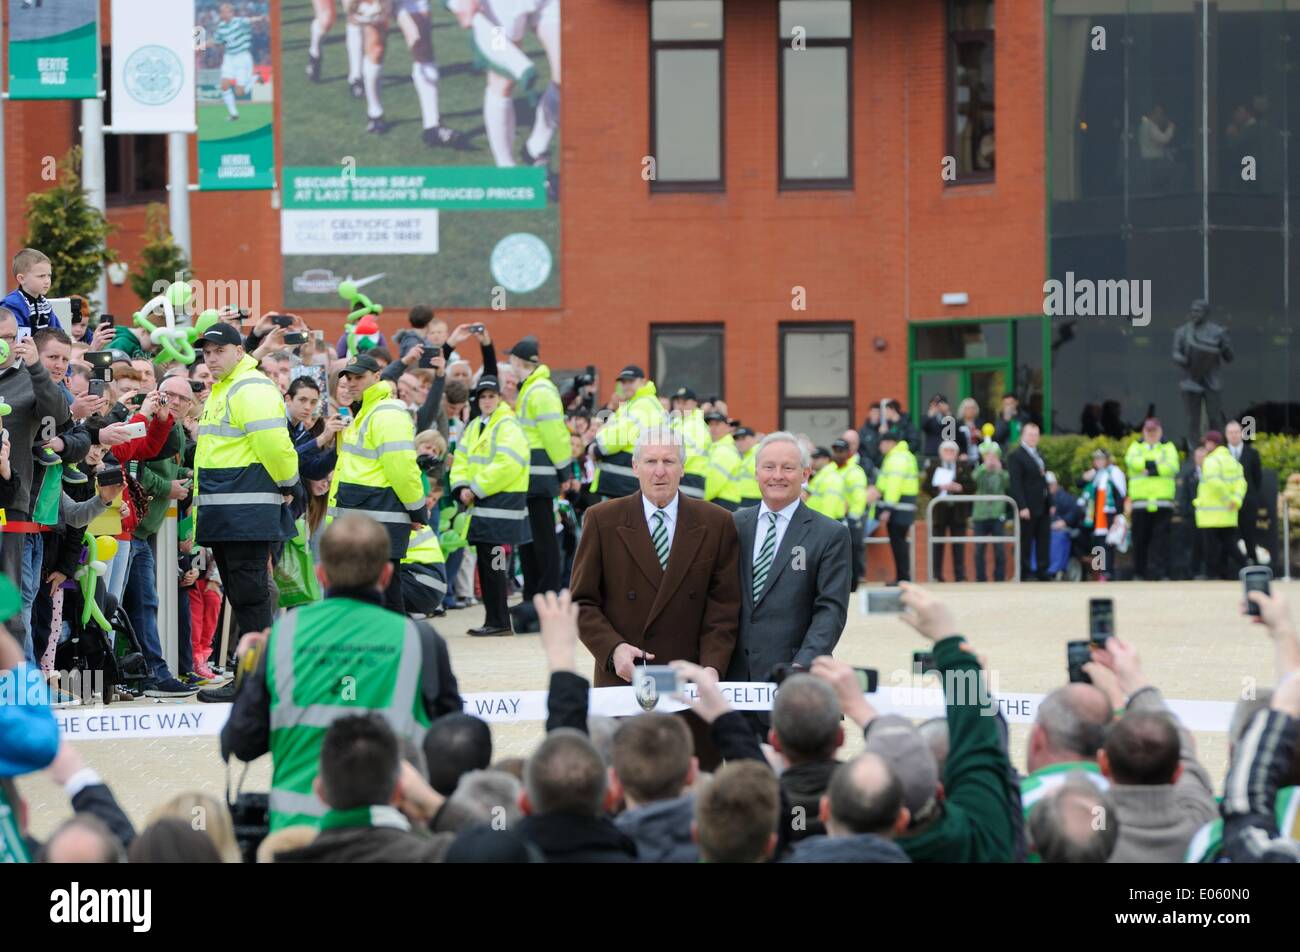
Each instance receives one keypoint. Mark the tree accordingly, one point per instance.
(161, 260)
(72, 233)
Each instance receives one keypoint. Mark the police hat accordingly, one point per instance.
(839, 445)
(631, 372)
(821, 451)
(684, 393)
(484, 384)
(743, 432)
(526, 349)
(216, 334)
(361, 364)
(713, 416)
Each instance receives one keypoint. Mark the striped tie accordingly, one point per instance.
(660, 537)
(764, 561)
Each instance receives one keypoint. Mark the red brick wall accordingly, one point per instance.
(878, 255)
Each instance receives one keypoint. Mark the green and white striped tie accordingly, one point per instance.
(764, 561)
(660, 537)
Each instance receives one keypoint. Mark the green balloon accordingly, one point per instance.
(347, 290)
(179, 294)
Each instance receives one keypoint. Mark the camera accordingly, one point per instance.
(924, 662)
(1255, 578)
(107, 319)
(1077, 654)
(477, 328)
(109, 476)
(884, 600)
(279, 320)
(428, 462)
(297, 337)
(75, 304)
(196, 387)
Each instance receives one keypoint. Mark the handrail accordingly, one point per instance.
(963, 540)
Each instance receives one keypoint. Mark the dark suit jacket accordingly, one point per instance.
(802, 609)
(1028, 485)
(1254, 473)
(688, 612)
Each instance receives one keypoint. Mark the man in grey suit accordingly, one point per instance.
(794, 570)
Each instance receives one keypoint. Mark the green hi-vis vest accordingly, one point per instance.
(855, 487)
(331, 659)
(723, 482)
(1207, 844)
(826, 493)
(1220, 492)
(899, 483)
(697, 444)
(616, 440)
(12, 847)
(750, 493)
(1146, 491)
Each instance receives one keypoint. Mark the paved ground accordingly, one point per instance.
(1192, 640)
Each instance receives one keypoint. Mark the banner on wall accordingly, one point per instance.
(153, 66)
(54, 49)
(235, 95)
(429, 163)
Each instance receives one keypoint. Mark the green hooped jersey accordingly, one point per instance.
(331, 659)
(1208, 841)
(1046, 779)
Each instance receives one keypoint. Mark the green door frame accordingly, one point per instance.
(967, 364)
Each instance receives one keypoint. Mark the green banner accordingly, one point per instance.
(235, 96)
(463, 187)
(54, 50)
(420, 159)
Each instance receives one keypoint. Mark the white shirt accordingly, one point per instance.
(670, 517)
(1236, 450)
(783, 518)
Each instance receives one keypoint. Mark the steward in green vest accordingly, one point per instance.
(1151, 465)
(747, 477)
(688, 420)
(722, 485)
(616, 440)
(342, 656)
(826, 488)
(1219, 497)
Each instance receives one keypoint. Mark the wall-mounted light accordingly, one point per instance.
(955, 298)
(880, 343)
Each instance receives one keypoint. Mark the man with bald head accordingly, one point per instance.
(655, 576)
(1063, 825)
(863, 810)
(83, 839)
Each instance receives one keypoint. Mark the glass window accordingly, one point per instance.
(687, 356)
(821, 426)
(686, 90)
(135, 166)
(816, 379)
(971, 140)
(966, 341)
(816, 94)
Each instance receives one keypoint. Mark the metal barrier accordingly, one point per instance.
(964, 540)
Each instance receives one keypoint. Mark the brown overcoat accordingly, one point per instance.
(688, 612)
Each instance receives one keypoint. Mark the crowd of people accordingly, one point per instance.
(334, 500)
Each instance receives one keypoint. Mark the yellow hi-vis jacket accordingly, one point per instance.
(1146, 491)
(541, 413)
(747, 478)
(1221, 491)
(697, 443)
(377, 475)
(855, 487)
(721, 484)
(826, 492)
(899, 484)
(492, 461)
(424, 562)
(617, 439)
(244, 461)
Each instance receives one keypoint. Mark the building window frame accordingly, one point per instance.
(789, 184)
(671, 328)
(656, 46)
(951, 40)
(119, 189)
(784, 402)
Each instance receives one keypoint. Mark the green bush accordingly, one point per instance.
(1279, 452)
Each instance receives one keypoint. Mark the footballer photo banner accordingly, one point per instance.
(153, 66)
(420, 152)
(54, 49)
(235, 95)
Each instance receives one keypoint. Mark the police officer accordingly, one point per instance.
(747, 479)
(897, 486)
(721, 485)
(306, 674)
(490, 473)
(826, 488)
(377, 474)
(1219, 498)
(616, 440)
(541, 413)
(245, 475)
(688, 420)
(855, 479)
(1152, 465)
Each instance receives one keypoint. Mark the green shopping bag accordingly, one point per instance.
(295, 573)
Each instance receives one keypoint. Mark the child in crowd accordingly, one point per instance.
(34, 274)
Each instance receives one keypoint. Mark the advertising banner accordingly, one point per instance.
(54, 49)
(235, 93)
(153, 66)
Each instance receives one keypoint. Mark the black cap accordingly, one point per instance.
(891, 435)
(526, 349)
(220, 334)
(713, 416)
(821, 451)
(631, 372)
(684, 393)
(743, 432)
(361, 363)
(734, 422)
(486, 383)
(839, 445)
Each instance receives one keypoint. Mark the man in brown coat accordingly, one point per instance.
(655, 576)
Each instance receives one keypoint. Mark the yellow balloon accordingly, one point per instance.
(106, 547)
(987, 429)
